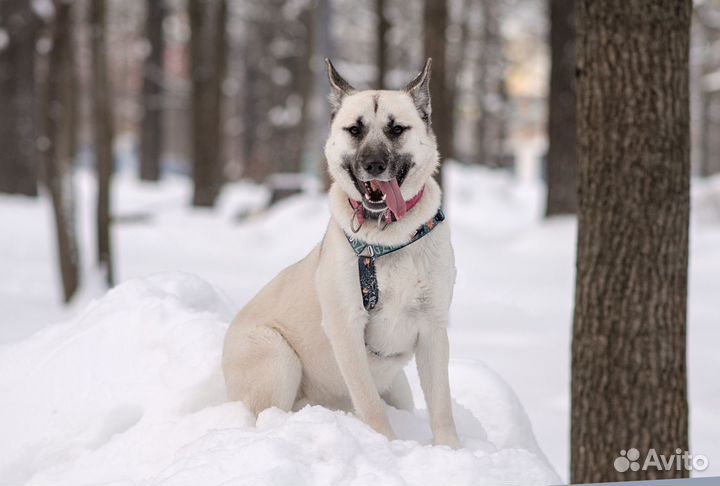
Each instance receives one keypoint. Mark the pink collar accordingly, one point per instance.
(389, 217)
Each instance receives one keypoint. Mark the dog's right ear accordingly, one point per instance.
(339, 88)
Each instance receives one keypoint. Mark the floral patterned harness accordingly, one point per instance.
(366, 263)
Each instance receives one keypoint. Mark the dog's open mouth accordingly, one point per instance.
(372, 192)
(379, 195)
(385, 193)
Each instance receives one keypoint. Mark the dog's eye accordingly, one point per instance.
(354, 131)
(397, 130)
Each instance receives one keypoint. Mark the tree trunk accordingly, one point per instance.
(59, 117)
(207, 53)
(435, 20)
(151, 135)
(490, 127)
(706, 106)
(562, 137)
(457, 61)
(712, 135)
(219, 72)
(455, 53)
(305, 80)
(628, 352)
(705, 137)
(383, 26)
(103, 129)
(18, 123)
(279, 87)
(324, 48)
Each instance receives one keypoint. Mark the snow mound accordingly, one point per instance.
(131, 391)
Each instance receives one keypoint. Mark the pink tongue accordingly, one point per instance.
(393, 197)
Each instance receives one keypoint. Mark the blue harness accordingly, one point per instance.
(366, 263)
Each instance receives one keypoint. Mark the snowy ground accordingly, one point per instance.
(129, 390)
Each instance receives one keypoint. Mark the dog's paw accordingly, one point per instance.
(387, 432)
(449, 439)
(383, 427)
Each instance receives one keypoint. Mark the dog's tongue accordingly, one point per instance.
(393, 197)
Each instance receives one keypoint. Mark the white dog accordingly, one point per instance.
(337, 327)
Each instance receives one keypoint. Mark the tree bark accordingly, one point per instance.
(435, 21)
(705, 137)
(562, 138)
(305, 81)
(628, 352)
(711, 137)
(207, 61)
(59, 117)
(383, 26)
(18, 123)
(706, 149)
(324, 47)
(151, 135)
(490, 127)
(279, 87)
(219, 73)
(103, 130)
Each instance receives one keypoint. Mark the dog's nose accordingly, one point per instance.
(374, 167)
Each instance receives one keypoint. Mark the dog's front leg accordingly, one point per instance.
(432, 356)
(348, 344)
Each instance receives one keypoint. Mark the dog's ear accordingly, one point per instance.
(419, 91)
(339, 88)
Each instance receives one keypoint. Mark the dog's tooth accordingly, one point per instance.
(384, 196)
(367, 196)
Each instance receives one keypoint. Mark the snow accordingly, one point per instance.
(128, 388)
(131, 391)
(139, 354)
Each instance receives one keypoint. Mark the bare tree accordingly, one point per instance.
(562, 152)
(629, 379)
(18, 123)
(455, 60)
(305, 78)
(706, 84)
(435, 22)
(278, 87)
(383, 27)
(60, 117)
(256, 105)
(151, 134)
(323, 47)
(103, 130)
(208, 46)
(490, 88)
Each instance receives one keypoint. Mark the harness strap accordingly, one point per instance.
(366, 263)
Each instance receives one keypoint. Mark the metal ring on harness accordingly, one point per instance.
(354, 218)
(383, 221)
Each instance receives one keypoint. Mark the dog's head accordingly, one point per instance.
(381, 149)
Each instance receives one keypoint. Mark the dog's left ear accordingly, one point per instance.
(419, 91)
(339, 88)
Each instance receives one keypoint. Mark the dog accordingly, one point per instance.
(337, 328)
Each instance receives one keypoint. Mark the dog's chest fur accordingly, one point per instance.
(404, 280)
